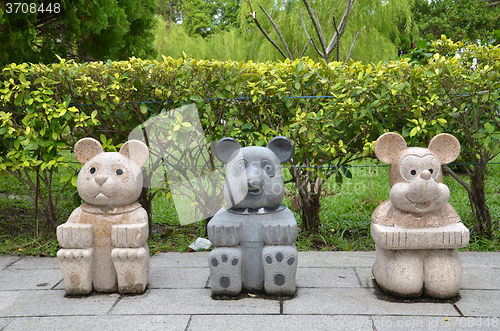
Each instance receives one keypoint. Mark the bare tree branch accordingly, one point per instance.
(268, 37)
(305, 48)
(352, 46)
(310, 39)
(316, 27)
(336, 37)
(338, 34)
(278, 31)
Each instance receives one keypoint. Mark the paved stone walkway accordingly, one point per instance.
(335, 292)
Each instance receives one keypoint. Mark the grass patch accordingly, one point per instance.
(345, 215)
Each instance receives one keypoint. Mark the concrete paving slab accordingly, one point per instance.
(6, 260)
(178, 277)
(53, 303)
(280, 322)
(481, 279)
(42, 279)
(180, 260)
(4, 322)
(335, 259)
(35, 262)
(365, 276)
(480, 259)
(190, 301)
(479, 303)
(357, 302)
(85, 323)
(326, 277)
(388, 323)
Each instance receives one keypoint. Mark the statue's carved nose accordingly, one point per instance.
(426, 174)
(101, 179)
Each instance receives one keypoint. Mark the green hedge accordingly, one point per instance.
(332, 112)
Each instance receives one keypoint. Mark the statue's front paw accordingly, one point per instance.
(278, 234)
(74, 235)
(225, 235)
(129, 235)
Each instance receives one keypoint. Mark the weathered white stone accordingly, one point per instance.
(254, 234)
(104, 239)
(417, 232)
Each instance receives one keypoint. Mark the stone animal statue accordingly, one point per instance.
(417, 232)
(104, 240)
(254, 234)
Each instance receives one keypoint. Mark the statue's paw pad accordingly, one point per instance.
(225, 272)
(279, 270)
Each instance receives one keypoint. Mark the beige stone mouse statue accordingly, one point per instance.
(417, 231)
(104, 240)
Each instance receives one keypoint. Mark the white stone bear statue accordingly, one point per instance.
(417, 232)
(104, 240)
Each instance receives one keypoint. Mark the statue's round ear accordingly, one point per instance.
(86, 149)
(282, 147)
(388, 146)
(225, 148)
(446, 147)
(136, 150)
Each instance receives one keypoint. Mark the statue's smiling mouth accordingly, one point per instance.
(253, 193)
(420, 205)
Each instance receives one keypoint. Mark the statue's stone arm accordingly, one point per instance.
(454, 235)
(73, 234)
(131, 235)
(225, 231)
(281, 230)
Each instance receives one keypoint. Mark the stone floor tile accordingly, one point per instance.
(42, 279)
(35, 262)
(388, 323)
(6, 260)
(279, 322)
(85, 323)
(53, 303)
(190, 301)
(180, 260)
(335, 259)
(357, 301)
(480, 279)
(326, 277)
(479, 303)
(178, 277)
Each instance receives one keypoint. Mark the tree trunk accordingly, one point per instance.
(146, 200)
(477, 196)
(480, 209)
(310, 214)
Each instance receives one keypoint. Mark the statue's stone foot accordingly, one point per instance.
(132, 269)
(443, 273)
(76, 267)
(225, 270)
(280, 267)
(400, 272)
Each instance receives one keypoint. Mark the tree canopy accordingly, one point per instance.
(459, 20)
(383, 26)
(76, 29)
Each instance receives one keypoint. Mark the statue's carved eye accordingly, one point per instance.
(268, 167)
(239, 168)
(413, 172)
(92, 170)
(431, 171)
(119, 172)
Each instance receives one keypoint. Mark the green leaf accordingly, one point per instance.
(489, 128)
(247, 126)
